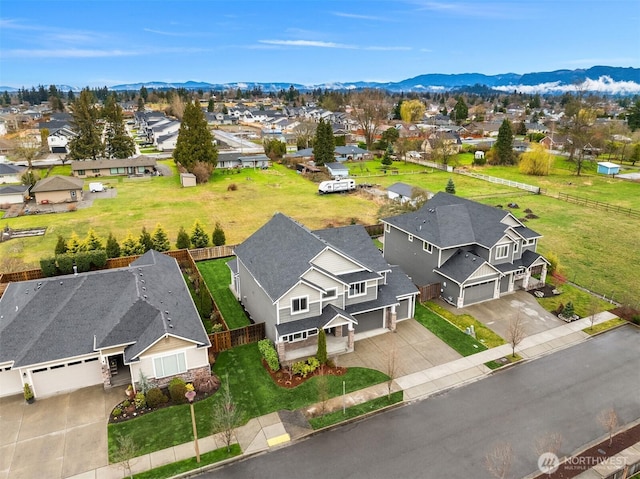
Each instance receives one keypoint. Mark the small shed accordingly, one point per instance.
(337, 170)
(187, 179)
(608, 168)
(478, 155)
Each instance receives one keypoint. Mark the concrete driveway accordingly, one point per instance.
(55, 437)
(497, 313)
(416, 348)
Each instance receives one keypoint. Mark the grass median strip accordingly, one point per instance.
(355, 411)
(186, 465)
(496, 364)
(454, 337)
(598, 328)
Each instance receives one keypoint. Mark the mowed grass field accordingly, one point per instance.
(598, 250)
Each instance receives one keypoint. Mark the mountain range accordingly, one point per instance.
(602, 79)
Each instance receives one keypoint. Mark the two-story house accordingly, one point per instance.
(299, 281)
(475, 252)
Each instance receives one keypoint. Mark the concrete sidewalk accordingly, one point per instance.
(276, 429)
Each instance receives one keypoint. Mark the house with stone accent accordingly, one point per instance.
(101, 327)
(473, 252)
(299, 281)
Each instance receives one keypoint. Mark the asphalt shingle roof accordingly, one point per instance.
(461, 266)
(58, 183)
(62, 317)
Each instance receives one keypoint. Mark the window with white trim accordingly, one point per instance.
(170, 365)
(357, 289)
(502, 251)
(300, 336)
(330, 293)
(516, 246)
(300, 305)
(428, 247)
(410, 238)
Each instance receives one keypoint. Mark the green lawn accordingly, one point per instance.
(485, 335)
(186, 465)
(598, 328)
(509, 358)
(459, 341)
(583, 303)
(253, 391)
(355, 411)
(218, 277)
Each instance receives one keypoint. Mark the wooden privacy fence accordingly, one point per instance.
(598, 205)
(212, 252)
(375, 230)
(429, 291)
(236, 337)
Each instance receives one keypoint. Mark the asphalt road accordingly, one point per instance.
(448, 436)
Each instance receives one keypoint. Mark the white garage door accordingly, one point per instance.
(66, 377)
(10, 382)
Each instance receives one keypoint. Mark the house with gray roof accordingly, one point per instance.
(136, 165)
(102, 327)
(299, 281)
(58, 189)
(473, 251)
(10, 173)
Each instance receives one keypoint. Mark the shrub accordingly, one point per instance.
(140, 401)
(322, 347)
(155, 398)
(116, 412)
(217, 327)
(635, 319)
(304, 368)
(269, 353)
(568, 310)
(206, 385)
(28, 392)
(65, 263)
(560, 308)
(232, 187)
(177, 390)
(126, 403)
(48, 267)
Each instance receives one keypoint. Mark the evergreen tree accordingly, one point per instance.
(503, 149)
(521, 128)
(92, 242)
(386, 159)
(195, 142)
(633, 116)
(323, 144)
(183, 241)
(160, 239)
(61, 245)
(321, 354)
(451, 187)
(199, 239)
(74, 245)
(118, 143)
(112, 248)
(140, 104)
(211, 107)
(87, 144)
(461, 111)
(145, 240)
(218, 238)
(131, 246)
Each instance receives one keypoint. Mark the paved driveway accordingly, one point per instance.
(497, 313)
(55, 437)
(416, 348)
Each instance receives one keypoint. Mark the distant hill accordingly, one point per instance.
(603, 79)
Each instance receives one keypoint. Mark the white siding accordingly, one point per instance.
(337, 264)
(66, 378)
(10, 382)
(485, 270)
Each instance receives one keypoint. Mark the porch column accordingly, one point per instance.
(511, 282)
(393, 318)
(106, 374)
(338, 331)
(525, 281)
(496, 289)
(543, 275)
(350, 339)
(280, 348)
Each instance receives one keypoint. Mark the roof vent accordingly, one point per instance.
(473, 259)
(140, 274)
(144, 288)
(166, 312)
(60, 283)
(171, 325)
(144, 296)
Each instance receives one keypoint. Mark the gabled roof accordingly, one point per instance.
(140, 160)
(448, 221)
(58, 183)
(67, 316)
(402, 189)
(461, 266)
(9, 169)
(13, 189)
(329, 312)
(335, 166)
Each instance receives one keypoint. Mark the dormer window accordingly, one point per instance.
(502, 251)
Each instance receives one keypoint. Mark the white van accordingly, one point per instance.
(335, 186)
(96, 187)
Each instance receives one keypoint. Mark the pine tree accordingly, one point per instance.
(131, 246)
(321, 354)
(145, 240)
(112, 248)
(183, 241)
(87, 144)
(451, 187)
(386, 159)
(461, 111)
(323, 144)
(211, 107)
(61, 245)
(218, 238)
(74, 244)
(195, 142)
(91, 241)
(199, 239)
(504, 144)
(160, 239)
(118, 143)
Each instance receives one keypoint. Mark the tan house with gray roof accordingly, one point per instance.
(58, 189)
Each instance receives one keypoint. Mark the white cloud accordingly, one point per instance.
(604, 84)
(360, 17)
(308, 43)
(478, 9)
(90, 53)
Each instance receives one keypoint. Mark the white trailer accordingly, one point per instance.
(96, 187)
(336, 186)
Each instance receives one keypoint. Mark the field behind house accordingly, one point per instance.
(597, 249)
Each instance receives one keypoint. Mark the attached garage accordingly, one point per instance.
(10, 382)
(66, 377)
(479, 292)
(369, 321)
(402, 311)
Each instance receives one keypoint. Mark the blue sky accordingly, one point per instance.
(100, 43)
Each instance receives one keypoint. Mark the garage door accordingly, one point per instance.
(478, 292)
(402, 311)
(66, 377)
(10, 382)
(369, 321)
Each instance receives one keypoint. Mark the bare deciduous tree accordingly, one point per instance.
(226, 414)
(126, 450)
(551, 442)
(370, 111)
(515, 333)
(322, 383)
(593, 310)
(498, 460)
(305, 132)
(608, 419)
(392, 366)
(28, 149)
